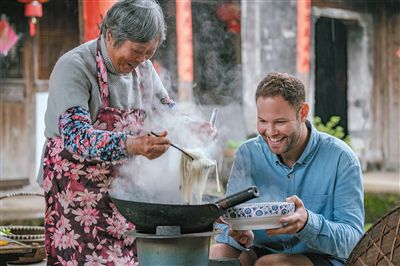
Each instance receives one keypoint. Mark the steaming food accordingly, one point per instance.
(194, 175)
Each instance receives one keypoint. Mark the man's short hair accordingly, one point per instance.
(282, 84)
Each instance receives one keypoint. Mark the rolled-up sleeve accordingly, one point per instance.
(223, 237)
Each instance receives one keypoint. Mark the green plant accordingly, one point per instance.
(332, 128)
(233, 144)
(377, 205)
(4, 231)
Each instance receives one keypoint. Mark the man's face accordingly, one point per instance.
(129, 55)
(279, 124)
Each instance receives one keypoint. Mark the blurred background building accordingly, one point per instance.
(346, 52)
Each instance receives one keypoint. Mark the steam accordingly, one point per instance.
(158, 180)
(272, 194)
(240, 179)
(145, 180)
(218, 82)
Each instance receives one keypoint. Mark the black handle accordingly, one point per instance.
(237, 198)
(176, 147)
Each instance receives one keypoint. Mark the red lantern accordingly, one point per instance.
(33, 10)
(233, 26)
(230, 14)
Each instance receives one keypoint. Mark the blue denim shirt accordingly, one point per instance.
(327, 178)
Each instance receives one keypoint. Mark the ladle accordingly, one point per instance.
(176, 147)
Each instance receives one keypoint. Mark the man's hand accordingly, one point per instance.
(149, 146)
(292, 223)
(244, 238)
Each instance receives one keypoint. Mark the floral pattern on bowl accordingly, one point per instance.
(259, 210)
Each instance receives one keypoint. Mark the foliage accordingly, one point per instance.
(4, 231)
(332, 127)
(233, 144)
(377, 205)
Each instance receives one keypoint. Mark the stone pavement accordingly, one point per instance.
(32, 207)
(382, 182)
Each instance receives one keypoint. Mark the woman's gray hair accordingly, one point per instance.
(134, 20)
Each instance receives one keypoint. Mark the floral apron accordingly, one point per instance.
(82, 225)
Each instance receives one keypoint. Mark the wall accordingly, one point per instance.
(16, 93)
(359, 28)
(17, 134)
(374, 80)
(386, 88)
(269, 35)
(57, 33)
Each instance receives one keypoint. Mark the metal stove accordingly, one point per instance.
(169, 247)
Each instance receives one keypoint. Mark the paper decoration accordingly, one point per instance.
(8, 38)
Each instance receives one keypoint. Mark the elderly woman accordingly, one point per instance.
(100, 94)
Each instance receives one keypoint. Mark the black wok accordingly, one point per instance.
(190, 218)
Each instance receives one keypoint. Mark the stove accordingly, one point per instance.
(169, 247)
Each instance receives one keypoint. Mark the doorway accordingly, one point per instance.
(331, 70)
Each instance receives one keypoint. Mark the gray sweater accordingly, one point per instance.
(73, 82)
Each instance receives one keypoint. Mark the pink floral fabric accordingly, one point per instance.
(102, 76)
(82, 224)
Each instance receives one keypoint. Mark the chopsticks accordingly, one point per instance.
(176, 147)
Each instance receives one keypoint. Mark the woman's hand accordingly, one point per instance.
(292, 223)
(205, 130)
(148, 146)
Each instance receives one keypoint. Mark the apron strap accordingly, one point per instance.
(139, 86)
(102, 76)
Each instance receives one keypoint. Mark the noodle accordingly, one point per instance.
(194, 175)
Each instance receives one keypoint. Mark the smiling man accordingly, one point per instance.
(290, 160)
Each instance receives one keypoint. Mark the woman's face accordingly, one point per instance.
(128, 55)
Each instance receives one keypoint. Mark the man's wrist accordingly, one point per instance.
(304, 225)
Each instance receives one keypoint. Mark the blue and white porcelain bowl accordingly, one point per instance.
(263, 215)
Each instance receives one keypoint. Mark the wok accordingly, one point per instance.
(191, 218)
